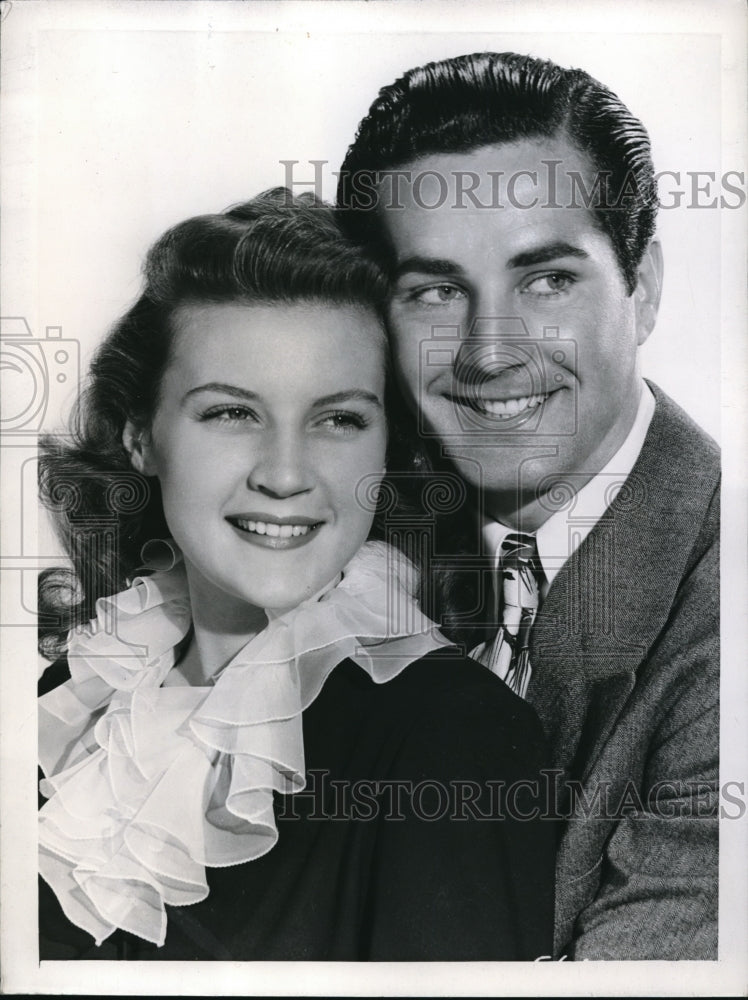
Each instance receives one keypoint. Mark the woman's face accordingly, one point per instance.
(269, 416)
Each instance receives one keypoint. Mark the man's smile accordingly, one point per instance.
(503, 409)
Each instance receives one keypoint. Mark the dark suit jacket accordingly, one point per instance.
(625, 655)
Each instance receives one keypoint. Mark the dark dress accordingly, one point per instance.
(402, 847)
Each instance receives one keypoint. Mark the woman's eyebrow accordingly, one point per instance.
(225, 388)
(349, 395)
(344, 396)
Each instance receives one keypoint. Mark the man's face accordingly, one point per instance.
(513, 332)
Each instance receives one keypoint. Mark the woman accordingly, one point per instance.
(264, 749)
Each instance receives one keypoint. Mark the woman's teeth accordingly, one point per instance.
(274, 530)
(509, 407)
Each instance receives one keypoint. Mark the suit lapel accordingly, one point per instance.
(612, 597)
(583, 663)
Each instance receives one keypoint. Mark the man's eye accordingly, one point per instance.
(546, 285)
(437, 295)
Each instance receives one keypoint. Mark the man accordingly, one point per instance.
(514, 203)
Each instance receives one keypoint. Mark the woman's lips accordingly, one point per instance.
(275, 533)
(272, 528)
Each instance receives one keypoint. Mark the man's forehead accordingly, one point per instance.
(537, 146)
(504, 236)
(487, 175)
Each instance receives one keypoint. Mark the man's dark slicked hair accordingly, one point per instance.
(472, 101)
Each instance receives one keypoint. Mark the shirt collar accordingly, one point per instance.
(565, 530)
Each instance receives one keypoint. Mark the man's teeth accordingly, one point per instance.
(509, 407)
(274, 530)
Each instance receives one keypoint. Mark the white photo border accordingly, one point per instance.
(37, 35)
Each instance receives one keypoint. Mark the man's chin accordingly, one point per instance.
(523, 485)
(500, 466)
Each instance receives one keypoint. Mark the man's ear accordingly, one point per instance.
(138, 446)
(648, 290)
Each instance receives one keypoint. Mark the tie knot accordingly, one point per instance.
(517, 549)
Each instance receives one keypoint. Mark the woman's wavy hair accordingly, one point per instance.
(472, 101)
(276, 248)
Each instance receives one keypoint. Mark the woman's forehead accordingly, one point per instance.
(268, 344)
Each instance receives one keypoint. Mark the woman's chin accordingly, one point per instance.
(281, 601)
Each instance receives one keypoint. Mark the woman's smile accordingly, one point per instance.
(275, 533)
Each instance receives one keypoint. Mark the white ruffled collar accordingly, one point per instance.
(149, 784)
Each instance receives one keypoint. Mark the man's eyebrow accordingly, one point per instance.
(435, 266)
(236, 392)
(439, 267)
(545, 253)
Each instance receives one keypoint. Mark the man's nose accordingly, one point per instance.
(492, 345)
(281, 468)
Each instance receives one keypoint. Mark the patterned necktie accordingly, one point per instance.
(518, 590)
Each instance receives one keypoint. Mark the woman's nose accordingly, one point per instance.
(281, 469)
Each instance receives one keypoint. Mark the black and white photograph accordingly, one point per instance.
(374, 552)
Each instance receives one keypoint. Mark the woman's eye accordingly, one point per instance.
(342, 422)
(546, 285)
(229, 414)
(438, 295)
